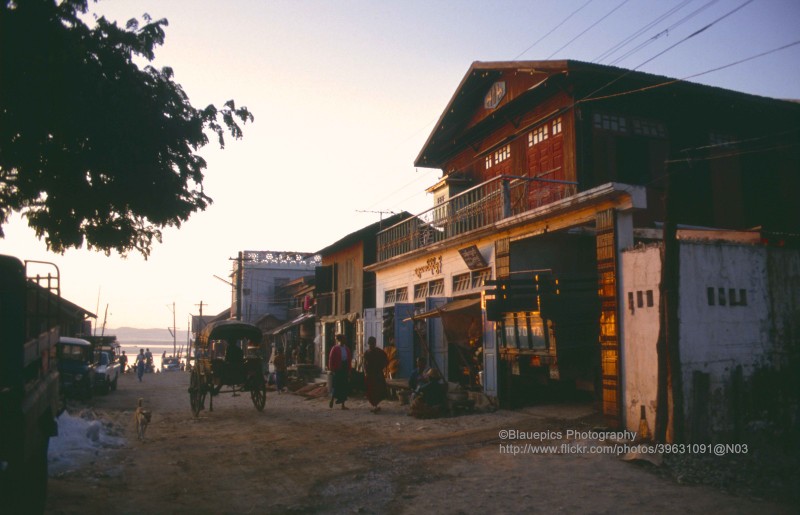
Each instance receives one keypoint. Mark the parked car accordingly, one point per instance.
(106, 372)
(76, 367)
(171, 364)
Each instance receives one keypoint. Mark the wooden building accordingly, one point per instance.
(549, 170)
(344, 290)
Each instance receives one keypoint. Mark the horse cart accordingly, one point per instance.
(220, 362)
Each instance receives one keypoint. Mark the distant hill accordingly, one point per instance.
(128, 335)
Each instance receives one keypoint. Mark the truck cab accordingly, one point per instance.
(76, 367)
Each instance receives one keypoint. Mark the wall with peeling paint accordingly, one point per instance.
(739, 312)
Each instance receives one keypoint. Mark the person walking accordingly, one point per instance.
(123, 362)
(140, 363)
(279, 362)
(375, 362)
(339, 364)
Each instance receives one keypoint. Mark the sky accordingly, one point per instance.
(345, 94)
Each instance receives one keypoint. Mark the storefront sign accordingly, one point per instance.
(433, 265)
(473, 257)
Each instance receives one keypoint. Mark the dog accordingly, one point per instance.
(141, 418)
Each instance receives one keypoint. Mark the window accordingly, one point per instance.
(402, 295)
(557, 126)
(437, 288)
(398, 295)
(479, 277)
(469, 280)
(502, 154)
(498, 156)
(537, 135)
(420, 291)
(610, 122)
(721, 297)
(461, 282)
(648, 128)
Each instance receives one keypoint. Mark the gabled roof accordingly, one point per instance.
(363, 233)
(453, 129)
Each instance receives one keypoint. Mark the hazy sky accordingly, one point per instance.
(344, 95)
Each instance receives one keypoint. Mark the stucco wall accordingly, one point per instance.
(405, 273)
(641, 272)
(724, 324)
(739, 309)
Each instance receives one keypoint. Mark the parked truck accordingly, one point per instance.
(29, 385)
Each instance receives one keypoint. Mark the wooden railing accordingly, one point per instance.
(478, 207)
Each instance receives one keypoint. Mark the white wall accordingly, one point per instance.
(718, 331)
(403, 275)
(641, 272)
(734, 331)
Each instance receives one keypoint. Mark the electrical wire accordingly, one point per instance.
(687, 38)
(674, 81)
(553, 29)
(665, 31)
(590, 27)
(611, 51)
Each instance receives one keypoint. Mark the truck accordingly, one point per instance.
(76, 367)
(29, 384)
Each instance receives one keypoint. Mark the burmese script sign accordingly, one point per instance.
(473, 258)
(433, 265)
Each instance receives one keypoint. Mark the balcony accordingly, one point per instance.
(478, 207)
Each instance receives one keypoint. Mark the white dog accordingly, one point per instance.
(141, 417)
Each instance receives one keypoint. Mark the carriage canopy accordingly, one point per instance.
(229, 330)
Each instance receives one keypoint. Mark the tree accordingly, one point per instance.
(93, 148)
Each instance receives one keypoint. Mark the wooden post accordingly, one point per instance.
(669, 401)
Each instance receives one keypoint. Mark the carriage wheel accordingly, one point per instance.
(259, 395)
(197, 394)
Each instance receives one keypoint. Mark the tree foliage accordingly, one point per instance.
(95, 149)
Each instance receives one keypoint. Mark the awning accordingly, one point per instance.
(461, 321)
(350, 317)
(450, 308)
(288, 325)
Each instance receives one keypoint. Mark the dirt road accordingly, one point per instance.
(299, 456)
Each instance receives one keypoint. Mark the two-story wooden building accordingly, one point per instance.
(549, 170)
(344, 290)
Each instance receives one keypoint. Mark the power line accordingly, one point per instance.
(696, 33)
(553, 29)
(611, 51)
(665, 31)
(588, 28)
(674, 81)
(690, 36)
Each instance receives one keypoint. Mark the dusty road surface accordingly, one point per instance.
(299, 456)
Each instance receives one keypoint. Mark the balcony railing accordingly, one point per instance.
(478, 207)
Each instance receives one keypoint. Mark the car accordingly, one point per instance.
(76, 367)
(171, 364)
(106, 372)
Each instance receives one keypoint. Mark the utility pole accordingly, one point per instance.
(669, 396)
(240, 259)
(173, 332)
(200, 326)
